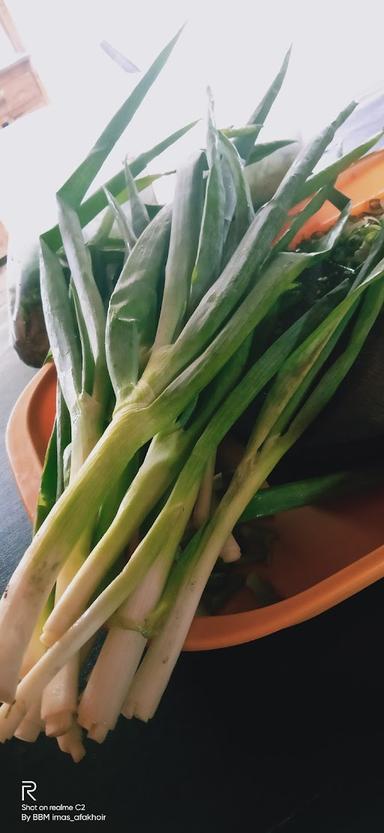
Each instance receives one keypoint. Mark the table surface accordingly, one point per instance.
(285, 734)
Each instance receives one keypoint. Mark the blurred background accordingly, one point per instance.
(234, 47)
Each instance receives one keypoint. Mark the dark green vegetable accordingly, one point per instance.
(311, 490)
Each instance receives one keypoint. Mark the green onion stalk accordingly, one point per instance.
(163, 462)
(125, 643)
(75, 322)
(132, 322)
(82, 371)
(126, 640)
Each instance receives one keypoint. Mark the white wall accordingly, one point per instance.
(234, 45)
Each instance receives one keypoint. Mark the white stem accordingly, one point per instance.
(31, 725)
(154, 672)
(144, 491)
(11, 717)
(230, 550)
(174, 517)
(101, 703)
(72, 743)
(16, 624)
(59, 701)
(35, 648)
(203, 503)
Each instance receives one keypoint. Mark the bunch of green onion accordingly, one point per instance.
(127, 532)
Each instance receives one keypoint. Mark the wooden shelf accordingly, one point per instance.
(20, 87)
(20, 90)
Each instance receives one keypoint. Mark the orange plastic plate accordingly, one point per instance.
(322, 555)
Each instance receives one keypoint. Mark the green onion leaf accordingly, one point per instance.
(139, 213)
(74, 189)
(61, 325)
(263, 149)
(245, 143)
(123, 221)
(79, 262)
(185, 229)
(211, 239)
(288, 496)
(133, 307)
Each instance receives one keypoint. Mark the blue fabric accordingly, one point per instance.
(15, 527)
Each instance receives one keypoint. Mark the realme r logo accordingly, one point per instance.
(28, 788)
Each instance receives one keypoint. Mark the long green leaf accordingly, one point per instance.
(92, 206)
(144, 182)
(133, 307)
(288, 496)
(211, 239)
(263, 149)
(61, 325)
(116, 185)
(79, 262)
(187, 213)
(243, 212)
(87, 362)
(244, 144)
(123, 222)
(230, 195)
(139, 213)
(141, 184)
(74, 189)
(247, 130)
